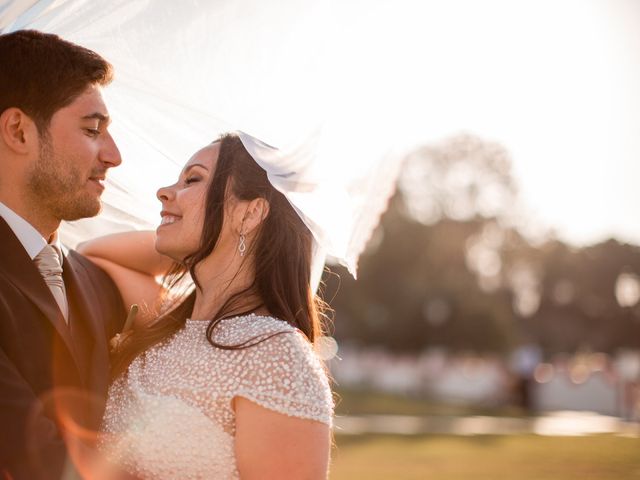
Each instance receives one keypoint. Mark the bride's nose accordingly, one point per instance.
(164, 194)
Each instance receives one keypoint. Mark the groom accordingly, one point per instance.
(57, 309)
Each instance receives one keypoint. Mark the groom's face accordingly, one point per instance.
(76, 151)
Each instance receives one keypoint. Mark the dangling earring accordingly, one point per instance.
(241, 246)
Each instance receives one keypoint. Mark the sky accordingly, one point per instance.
(556, 82)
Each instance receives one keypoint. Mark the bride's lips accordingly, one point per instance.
(168, 218)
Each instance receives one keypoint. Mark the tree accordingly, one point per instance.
(448, 266)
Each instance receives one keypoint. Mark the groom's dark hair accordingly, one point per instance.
(41, 73)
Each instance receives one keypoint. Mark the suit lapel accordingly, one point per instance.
(22, 272)
(86, 325)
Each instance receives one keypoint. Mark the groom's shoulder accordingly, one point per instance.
(82, 264)
(90, 274)
(96, 284)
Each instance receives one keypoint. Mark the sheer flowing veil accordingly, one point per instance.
(187, 71)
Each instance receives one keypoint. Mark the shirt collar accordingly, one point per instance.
(27, 235)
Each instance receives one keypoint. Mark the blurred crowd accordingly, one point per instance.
(590, 381)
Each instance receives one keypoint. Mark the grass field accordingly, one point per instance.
(482, 457)
(522, 457)
(364, 402)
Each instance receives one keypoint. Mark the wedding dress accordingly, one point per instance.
(170, 415)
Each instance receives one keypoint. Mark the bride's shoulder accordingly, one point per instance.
(250, 328)
(282, 372)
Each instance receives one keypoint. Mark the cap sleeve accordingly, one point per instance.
(284, 374)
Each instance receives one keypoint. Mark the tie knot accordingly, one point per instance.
(48, 262)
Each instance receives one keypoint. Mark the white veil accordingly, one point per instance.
(187, 71)
(341, 81)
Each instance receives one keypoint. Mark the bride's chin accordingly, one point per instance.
(169, 252)
(178, 255)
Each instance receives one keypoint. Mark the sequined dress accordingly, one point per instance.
(170, 416)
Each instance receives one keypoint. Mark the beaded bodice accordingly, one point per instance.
(171, 415)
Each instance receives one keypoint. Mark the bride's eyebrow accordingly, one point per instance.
(186, 170)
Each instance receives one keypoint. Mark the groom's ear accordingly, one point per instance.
(255, 213)
(18, 131)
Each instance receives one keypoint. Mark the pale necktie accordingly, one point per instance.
(48, 263)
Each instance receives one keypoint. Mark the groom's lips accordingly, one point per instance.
(98, 180)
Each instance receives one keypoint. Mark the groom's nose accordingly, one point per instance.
(109, 153)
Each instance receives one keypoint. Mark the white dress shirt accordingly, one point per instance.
(32, 241)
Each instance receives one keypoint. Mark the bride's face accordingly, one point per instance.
(183, 205)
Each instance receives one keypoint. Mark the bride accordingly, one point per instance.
(225, 383)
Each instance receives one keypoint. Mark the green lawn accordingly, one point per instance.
(523, 457)
(364, 402)
(484, 457)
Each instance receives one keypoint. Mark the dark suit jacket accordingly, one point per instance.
(49, 369)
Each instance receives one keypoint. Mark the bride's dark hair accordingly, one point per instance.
(281, 250)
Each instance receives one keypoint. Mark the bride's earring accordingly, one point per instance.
(242, 246)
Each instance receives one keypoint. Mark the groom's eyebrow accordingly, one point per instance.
(98, 116)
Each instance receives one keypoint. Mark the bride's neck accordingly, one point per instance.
(218, 283)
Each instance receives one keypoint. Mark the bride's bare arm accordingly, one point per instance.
(133, 263)
(273, 445)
